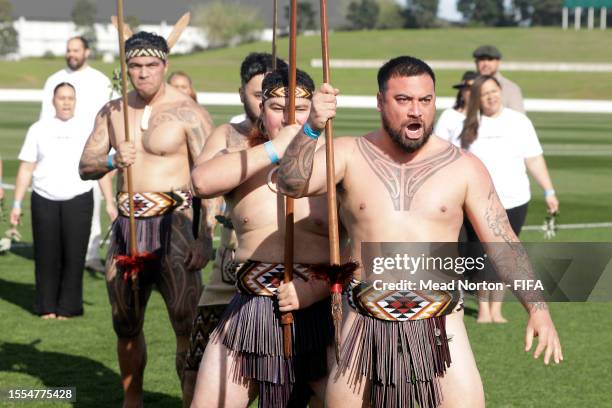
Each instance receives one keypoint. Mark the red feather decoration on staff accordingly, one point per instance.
(134, 263)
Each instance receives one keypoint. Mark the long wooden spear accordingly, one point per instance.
(131, 262)
(287, 318)
(338, 275)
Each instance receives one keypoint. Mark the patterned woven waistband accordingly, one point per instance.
(400, 306)
(263, 279)
(147, 205)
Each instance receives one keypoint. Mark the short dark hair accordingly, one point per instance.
(145, 40)
(280, 78)
(82, 39)
(257, 63)
(61, 85)
(404, 66)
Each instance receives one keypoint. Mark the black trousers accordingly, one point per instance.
(516, 216)
(61, 231)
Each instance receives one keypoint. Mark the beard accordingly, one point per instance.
(74, 63)
(249, 113)
(397, 135)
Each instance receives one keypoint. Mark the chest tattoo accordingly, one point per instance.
(404, 181)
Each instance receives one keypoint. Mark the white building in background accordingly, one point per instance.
(40, 38)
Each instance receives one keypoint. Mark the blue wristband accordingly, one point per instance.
(271, 152)
(310, 132)
(549, 193)
(109, 162)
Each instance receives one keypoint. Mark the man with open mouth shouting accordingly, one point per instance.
(393, 187)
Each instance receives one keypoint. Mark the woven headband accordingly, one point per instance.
(146, 52)
(283, 91)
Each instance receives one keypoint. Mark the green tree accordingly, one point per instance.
(484, 12)
(227, 24)
(8, 35)
(539, 12)
(84, 17)
(421, 13)
(390, 15)
(363, 14)
(305, 16)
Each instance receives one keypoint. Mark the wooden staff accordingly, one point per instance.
(128, 171)
(274, 28)
(287, 318)
(337, 275)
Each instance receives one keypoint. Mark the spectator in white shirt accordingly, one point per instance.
(93, 90)
(61, 206)
(450, 122)
(506, 142)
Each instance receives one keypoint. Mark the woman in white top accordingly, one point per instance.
(506, 142)
(61, 204)
(450, 122)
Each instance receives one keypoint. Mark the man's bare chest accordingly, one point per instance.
(162, 134)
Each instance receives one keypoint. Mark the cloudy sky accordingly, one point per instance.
(447, 9)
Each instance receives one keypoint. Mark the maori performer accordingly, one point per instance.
(220, 289)
(393, 187)
(168, 132)
(245, 355)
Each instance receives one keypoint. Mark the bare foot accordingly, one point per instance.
(499, 319)
(63, 318)
(485, 319)
(48, 316)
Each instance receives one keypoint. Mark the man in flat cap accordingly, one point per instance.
(488, 58)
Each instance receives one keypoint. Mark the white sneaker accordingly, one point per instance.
(95, 265)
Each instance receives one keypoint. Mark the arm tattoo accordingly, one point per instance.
(296, 165)
(509, 258)
(404, 181)
(93, 163)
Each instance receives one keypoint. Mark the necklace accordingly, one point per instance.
(146, 115)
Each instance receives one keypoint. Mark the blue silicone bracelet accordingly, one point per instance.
(271, 152)
(109, 162)
(310, 132)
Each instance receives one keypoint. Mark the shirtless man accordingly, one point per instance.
(168, 132)
(246, 348)
(393, 186)
(220, 289)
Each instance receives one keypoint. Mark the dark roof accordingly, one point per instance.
(152, 11)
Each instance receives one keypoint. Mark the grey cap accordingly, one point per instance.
(487, 51)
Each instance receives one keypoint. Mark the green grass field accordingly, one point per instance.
(209, 68)
(81, 352)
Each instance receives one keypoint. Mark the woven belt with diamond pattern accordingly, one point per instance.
(147, 205)
(399, 306)
(263, 279)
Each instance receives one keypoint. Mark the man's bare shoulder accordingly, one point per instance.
(111, 109)
(470, 165)
(231, 135)
(345, 144)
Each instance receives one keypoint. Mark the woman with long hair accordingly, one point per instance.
(450, 122)
(506, 142)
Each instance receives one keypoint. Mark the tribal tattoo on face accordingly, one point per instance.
(403, 181)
